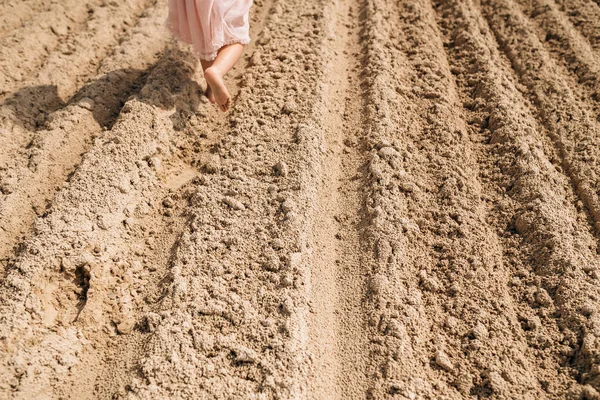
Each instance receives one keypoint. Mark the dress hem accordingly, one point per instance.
(219, 46)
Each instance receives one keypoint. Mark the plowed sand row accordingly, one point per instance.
(240, 277)
(570, 48)
(403, 203)
(428, 275)
(585, 16)
(574, 131)
(517, 158)
(32, 174)
(62, 72)
(24, 50)
(14, 13)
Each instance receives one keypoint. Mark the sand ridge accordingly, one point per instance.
(402, 203)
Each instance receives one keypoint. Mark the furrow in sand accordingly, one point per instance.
(570, 49)
(80, 279)
(33, 172)
(585, 16)
(15, 13)
(570, 123)
(196, 129)
(414, 223)
(212, 124)
(151, 230)
(338, 341)
(80, 56)
(241, 278)
(436, 331)
(64, 72)
(546, 241)
(24, 50)
(92, 290)
(77, 58)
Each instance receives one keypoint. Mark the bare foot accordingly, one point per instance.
(219, 90)
(209, 94)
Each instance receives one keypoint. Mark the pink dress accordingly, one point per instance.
(210, 24)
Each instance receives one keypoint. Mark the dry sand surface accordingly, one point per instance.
(403, 203)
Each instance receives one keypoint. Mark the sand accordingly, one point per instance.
(403, 202)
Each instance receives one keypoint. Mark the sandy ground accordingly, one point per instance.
(403, 203)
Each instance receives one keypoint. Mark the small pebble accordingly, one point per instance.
(211, 164)
(155, 163)
(523, 223)
(86, 103)
(126, 326)
(234, 203)
(383, 143)
(60, 30)
(387, 152)
(451, 323)
(378, 284)
(543, 298)
(254, 59)
(277, 244)
(281, 169)
(151, 321)
(443, 361)
(408, 187)
(587, 309)
(271, 262)
(287, 281)
(287, 306)
(288, 206)
(244, 354)
(480, 331)
(290, 107)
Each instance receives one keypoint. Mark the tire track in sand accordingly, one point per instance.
(338, 340)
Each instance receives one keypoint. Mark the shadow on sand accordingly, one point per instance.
(171, 84)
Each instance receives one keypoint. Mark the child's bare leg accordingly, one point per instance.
(209, 92)
(227, 57)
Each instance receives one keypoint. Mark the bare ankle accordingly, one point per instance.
(214, 70)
